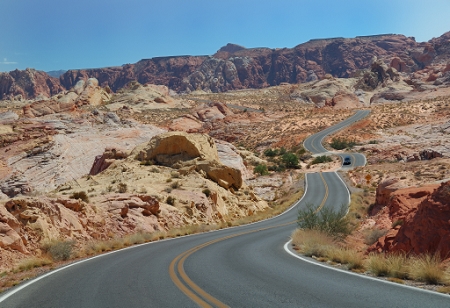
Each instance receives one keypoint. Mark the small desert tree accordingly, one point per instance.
(290, 160)
(334, 223)
(261, 169)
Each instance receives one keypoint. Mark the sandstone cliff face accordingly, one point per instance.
(421, 219)
(28, 84)
(235, 67)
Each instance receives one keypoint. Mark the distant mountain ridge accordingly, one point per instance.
(236, 67)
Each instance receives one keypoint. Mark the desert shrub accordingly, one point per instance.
(342, 143)
(80, 195)
(122, 187)
(301, 151)
(398, 265)
(312, 242)
(146, 163)
(290, 160)
(271, 153)
(373, 142)
(334, 223)
(175, 174)
(133, 239)
(373, 236)
(261, 169)
(427, 268)
(280, 167)
(28, 264)
(170, 200)
(207, 192)
(377, 264)
(321, 159)
(58, 249)
(175, 185)
(396, 223)
(351, 257)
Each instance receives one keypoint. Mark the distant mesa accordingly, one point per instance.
(231, 48)
(234, 67)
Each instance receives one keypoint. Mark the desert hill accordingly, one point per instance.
(235, 67)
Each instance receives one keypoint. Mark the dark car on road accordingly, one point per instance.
(347, 160)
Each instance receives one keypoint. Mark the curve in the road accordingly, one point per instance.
(244, 266)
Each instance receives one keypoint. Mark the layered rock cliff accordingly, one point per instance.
(235, 67)
(420, 218)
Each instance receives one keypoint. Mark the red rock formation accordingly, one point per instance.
(41, 108)
(235, 67)
(105, 160)
(421, 220)
(28, 83)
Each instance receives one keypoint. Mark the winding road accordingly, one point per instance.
(247, 266)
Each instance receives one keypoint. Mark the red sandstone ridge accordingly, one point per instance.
(235, 67)
(28, 84)
(421, 220)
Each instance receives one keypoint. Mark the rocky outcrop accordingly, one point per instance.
(172, 147)
(235, 67)
(420, 219)
(83, 93)
(105, 160)
(190, 152)
(42, 108)
(28, 83)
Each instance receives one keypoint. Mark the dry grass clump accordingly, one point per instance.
(377, 264)
(353, 259)
(33, 262)
(398, 265)
(312, 242)
(427, 268)
(58, 250)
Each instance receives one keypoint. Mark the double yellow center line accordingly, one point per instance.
(190, 288)
(187, 286)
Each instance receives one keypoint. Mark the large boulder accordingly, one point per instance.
(190, 152)
(171, 147)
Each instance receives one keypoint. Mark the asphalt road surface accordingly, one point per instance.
(248, 266)
(314, 143)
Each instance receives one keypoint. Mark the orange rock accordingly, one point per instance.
(421, 220)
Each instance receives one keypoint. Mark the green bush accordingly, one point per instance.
(80, 195)
(271, 153)
(290, 160)
(321, 159)
(170, 200)
(123, 187)
(342, 143)
(207, 192)
(261, 169)
(326, 220)
(58, 250)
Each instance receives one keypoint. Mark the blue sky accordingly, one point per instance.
(61, 34)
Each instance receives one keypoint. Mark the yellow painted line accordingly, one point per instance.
(353, 160)
(183, 288)
(189, 287)
(325, 197)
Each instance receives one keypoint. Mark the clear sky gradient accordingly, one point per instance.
(61, 34)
